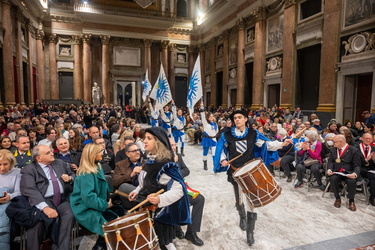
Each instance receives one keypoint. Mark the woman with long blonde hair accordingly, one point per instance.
(89, 200)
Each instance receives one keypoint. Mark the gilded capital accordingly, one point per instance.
(241, 23)
(105, 39)
(52, 38)
(288, 3)
(147, 43)
(40, 34)
(20, 17)
(164, 44)
(226, 34)
(259, 14)
(76, 39)
(191, 48)
(5, 2)
(201, 47)
(86, 38)
(171, 47)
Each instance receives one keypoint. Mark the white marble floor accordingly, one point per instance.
(297, 217)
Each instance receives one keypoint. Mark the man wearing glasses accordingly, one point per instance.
(344, 164)
(47, 184)
(125, 177)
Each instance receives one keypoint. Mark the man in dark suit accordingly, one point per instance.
(368, 163)
(22, 153)
(47, 184)
(65, 154)
(344, 164)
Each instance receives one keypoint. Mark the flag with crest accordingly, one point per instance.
(161, 92)
(146, 87)
(195, 87)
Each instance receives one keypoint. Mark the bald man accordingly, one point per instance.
(344, 164)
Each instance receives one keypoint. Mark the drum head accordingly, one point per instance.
(125, 219)
(246, 168)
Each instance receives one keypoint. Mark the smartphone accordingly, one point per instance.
(2, 190)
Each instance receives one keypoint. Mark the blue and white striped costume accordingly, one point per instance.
(154, 117)
(166, 118)
(209, 140)
(179, 123)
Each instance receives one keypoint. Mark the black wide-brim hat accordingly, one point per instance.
(238, 111)
(161, 134)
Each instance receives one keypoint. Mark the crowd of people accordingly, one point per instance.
(62, 163)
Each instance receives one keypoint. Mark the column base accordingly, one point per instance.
(224, 106)
(256, 106)
(10, 103)
(238, 106)
(286, 105)
(1, 106)
(326, 108)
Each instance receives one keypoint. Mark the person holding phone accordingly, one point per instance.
(9, 188)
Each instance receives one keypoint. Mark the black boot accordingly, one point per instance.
(205, 165)
(192, 236)
(251, 218)
(182, 151)
(179, 232)
(242, 213)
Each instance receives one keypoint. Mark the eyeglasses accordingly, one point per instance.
(134, 151)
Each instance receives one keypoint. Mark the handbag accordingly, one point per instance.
(310, 161)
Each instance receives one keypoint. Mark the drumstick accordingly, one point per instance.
(294, 136)
(238, 156)
(122, 193)
(145, 201)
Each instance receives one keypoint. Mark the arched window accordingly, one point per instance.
(181, 8)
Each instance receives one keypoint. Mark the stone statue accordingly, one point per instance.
(96, 94)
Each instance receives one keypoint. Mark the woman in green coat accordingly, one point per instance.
(90, 194)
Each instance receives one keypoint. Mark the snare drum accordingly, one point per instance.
(131, 232)
(257, 183)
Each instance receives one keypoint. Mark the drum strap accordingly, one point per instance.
(233, 167)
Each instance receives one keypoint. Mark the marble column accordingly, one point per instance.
(171, 73)
(202, 55)
(147, 44)
(164, 56)
(86, 38)
(7, 54)
(105, 69)
(41, 65)
(20, 20)
(191, 60)
(289, 55)
(259, 57)
(225, 68)
(213, 101)
(78, 93)
(330, 56)
(54, 87)
(240, 64)
(31, 60)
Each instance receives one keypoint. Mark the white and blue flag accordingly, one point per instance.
(195, 87)
(146, 87)
(161, 92)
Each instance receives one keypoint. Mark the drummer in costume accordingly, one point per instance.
(210, 129)
(179, 123)
(160, 172)
(246, 143)
(166, 117)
